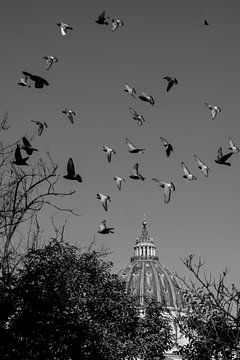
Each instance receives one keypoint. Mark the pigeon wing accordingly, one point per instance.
(26, 142)
(227, 156)
(167, 194)
(130, 145)
(18, 155)
(185, 169)
(70, 167)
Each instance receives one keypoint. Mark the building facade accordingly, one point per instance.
(146, 278)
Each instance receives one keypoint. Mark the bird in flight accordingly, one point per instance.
(4, 123)
(115, 23)
(187, 174)
(19, 160)
(139, 118)
(130, 90)
(167, 145)
(119, 181)
(101, 19)
(233, 147)
(109, 152)
(214, 110)
(203, 167)
(23, 81)
(39, 82)
(103, 229)
(133, 149)
(171, 81)
(41, 125)
(50, 60)
(135, 173)
(70, 114)
(27, 146)
(64, 28)
(104, 200)
(168, 188)
(206, 22)
(221, 159)
(147, 98)
(71, 174)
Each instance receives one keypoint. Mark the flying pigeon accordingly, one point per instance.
(118, 181)
(214, 110)
(69, 114)
(206, 22)
(50, 60)
(27, 146)
(115, 23)
(167, 146)
(103, 229)
(168, 188)
(221, 159)
(104, 199)
(109, 152)
(71, 175)
(187, 174)
(101, 19)
(4, 123)
(64, 28)
(171, 81)
(23, 81)
(203, 167)
(137, 117)
(233, 147)
(147, 98)
(135, 174)
(130, 90)
(133, 149)
(41, 125)
(19, 160)
(39, 82)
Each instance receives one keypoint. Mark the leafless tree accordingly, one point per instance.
(24, 192)
(211, 319)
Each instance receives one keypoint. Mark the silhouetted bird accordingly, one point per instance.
(139, 118)
(27, 146)
(187, 174)
(19, 160)
(103, 229)
(50, 60)
(167, 146)
(130, 90)
(147, 98)
(133, 149)
(214, 110)
(233, 147)
(101, 19)
(206, 22)
(168, 188)
(135, 173)
(171, 81)
(221, 159)
(64, 28)
(39, 82)
(203, 167)
(71, 174)
(109, 152)
(69, 114)
(118, 181)
(104, 199)
(41, 125)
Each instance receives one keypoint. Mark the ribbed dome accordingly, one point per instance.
(146, 278)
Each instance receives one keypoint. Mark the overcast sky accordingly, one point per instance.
(159, 38)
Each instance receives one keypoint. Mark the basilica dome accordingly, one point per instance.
(147, 278)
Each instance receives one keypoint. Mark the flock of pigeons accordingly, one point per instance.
(171, 82)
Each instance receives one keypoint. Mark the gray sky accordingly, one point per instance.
(159, 38)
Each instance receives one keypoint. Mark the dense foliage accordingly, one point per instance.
(65, 304)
